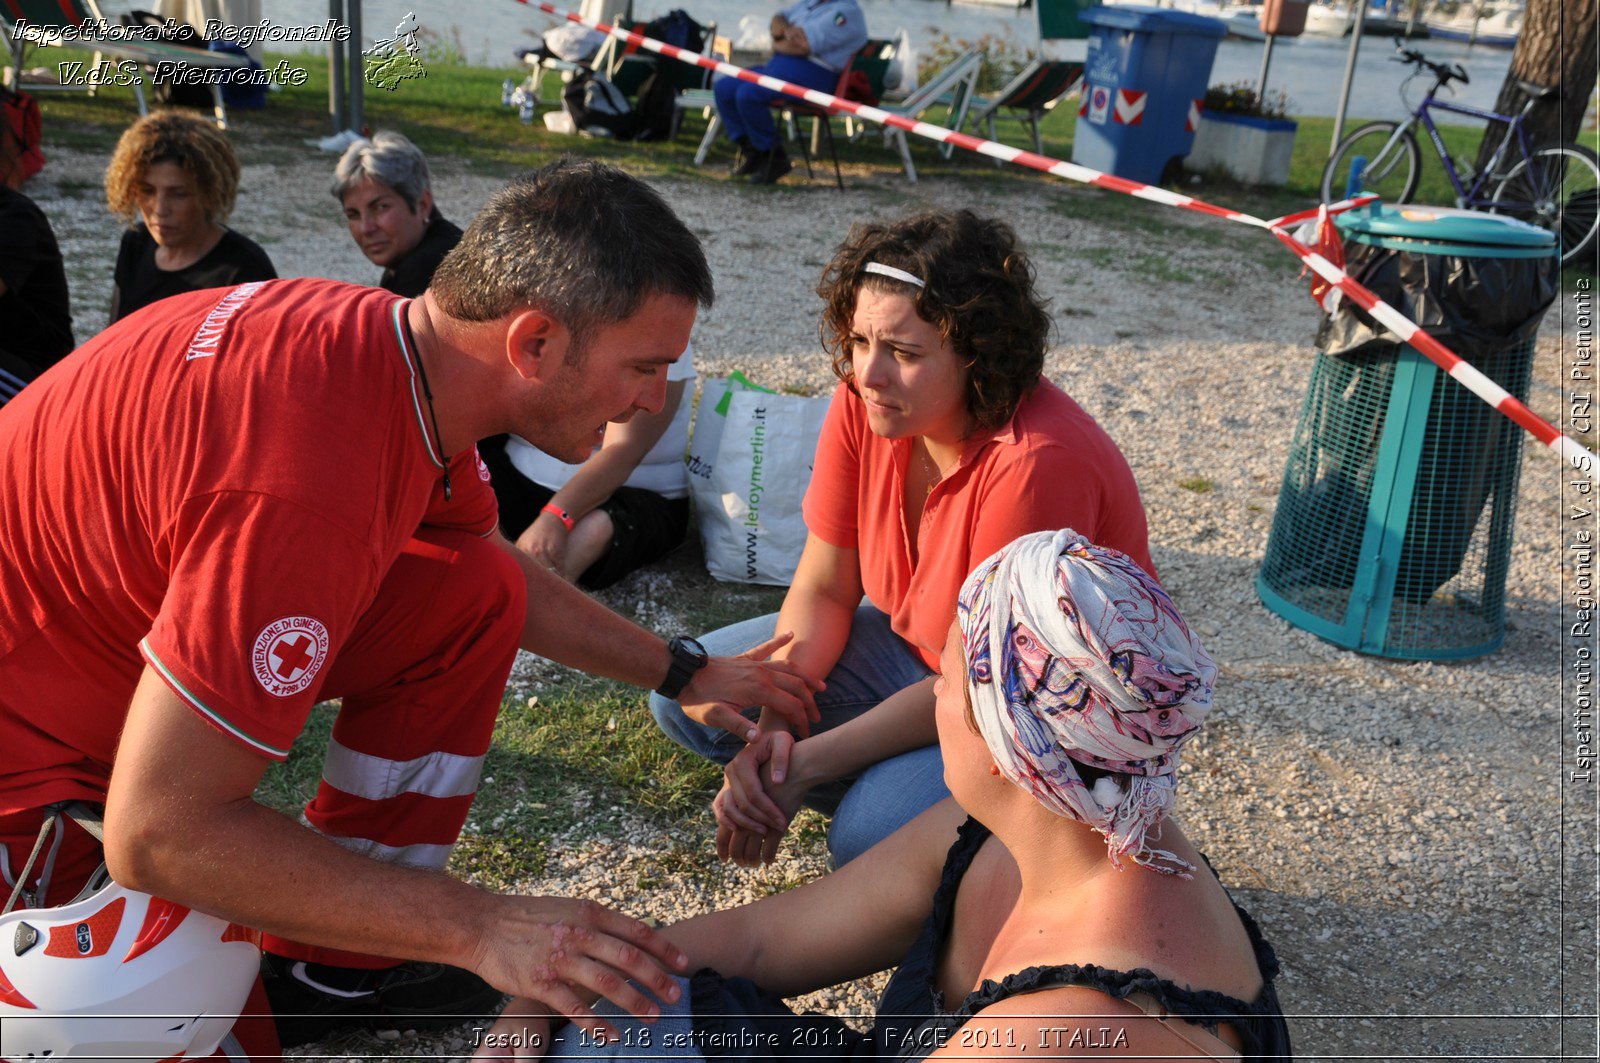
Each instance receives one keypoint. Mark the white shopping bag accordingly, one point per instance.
(754, 532)
(710, 414)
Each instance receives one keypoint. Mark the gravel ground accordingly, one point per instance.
(1397, 827)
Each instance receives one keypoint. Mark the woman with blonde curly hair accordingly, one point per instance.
(174, 177)
(944, 442)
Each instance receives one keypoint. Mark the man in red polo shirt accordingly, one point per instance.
(239, 502)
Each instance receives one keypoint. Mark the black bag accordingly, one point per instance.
(598, 107)
(658, 93)
(165, 92)
(676, 27)
(658, 98)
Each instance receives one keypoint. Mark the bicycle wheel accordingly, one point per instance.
(1556, 188)
(1392, 174)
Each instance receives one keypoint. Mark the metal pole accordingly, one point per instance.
(336, 84)
(358, 118)
(1349, 73)
(1266, 61)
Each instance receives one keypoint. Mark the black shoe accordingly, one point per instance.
(751, 160)
(777, 164)
(311, 1001)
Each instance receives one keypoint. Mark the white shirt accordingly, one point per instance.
(660, 470)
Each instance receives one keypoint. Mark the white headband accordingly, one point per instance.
(896, 273)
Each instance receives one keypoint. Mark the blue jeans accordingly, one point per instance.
(875, 664)
(746, 108)
(669, 1037)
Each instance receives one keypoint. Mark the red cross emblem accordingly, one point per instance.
(288, 653)
(292, 656)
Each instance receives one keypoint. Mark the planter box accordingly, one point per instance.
(1255, 151)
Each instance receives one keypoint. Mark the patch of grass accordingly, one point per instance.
(1198, 484)
(503, 860)
(601, 732)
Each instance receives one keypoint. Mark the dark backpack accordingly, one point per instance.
(598, 107)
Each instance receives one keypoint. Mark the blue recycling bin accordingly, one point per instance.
(1144, 83)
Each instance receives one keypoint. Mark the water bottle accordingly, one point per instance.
(527, 108)
(507, 89)
(1465, 170)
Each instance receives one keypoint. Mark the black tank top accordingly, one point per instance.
(735, 1019)
(913, 1021)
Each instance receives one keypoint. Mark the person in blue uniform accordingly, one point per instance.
(812, 42)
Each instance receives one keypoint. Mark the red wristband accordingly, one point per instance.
(559, 514)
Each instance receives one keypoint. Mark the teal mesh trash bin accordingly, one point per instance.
(1392, 534)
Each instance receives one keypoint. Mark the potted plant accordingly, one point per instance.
(1246, 136)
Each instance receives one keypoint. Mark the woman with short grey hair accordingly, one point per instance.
(384, 186)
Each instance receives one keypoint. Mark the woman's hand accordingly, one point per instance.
(545, 540)
(747, 804)
(750, 839)
(522, 1031)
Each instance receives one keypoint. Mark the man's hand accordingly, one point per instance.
(522, 1031)
(719, 692)
(755, 789)
(545, 540)
(567, 953)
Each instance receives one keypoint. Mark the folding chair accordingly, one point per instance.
(51, 16)
(1034, 92)
(699, 97)
(953, 87)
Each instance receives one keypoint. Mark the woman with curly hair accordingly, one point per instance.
(174, 177)
(943, 443)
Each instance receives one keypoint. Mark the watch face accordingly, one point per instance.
(694, 647)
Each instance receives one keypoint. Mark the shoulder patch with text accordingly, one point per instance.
(288, 654)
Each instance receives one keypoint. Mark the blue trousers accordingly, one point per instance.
(875, 663)
(746, 109)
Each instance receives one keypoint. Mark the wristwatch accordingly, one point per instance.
(688, 657)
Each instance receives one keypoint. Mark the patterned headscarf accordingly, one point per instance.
(1075, 653)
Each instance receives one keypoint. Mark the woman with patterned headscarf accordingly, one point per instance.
(1069, 918)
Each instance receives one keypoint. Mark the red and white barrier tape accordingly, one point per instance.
(1571, 451)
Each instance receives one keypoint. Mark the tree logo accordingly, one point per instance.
(397, 59)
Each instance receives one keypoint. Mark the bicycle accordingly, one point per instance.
(1554, 186)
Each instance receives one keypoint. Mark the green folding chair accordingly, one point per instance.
(953, 87)
(46, 22)
(1031, 95)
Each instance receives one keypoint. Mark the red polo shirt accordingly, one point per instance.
(215, 485)
(1051, 466)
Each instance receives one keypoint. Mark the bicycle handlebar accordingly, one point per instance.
(1444, 73)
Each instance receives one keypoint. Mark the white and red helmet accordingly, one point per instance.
(120, 974)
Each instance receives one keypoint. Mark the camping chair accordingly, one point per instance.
(50, 16)
(952, 86)
(698, 97)
(1034, 92)
(873, 60)
(791, 108)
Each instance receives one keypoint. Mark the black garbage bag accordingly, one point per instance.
(1481, 308)
(1474, 306)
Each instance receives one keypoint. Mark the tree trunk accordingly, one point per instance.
(1557, 49)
